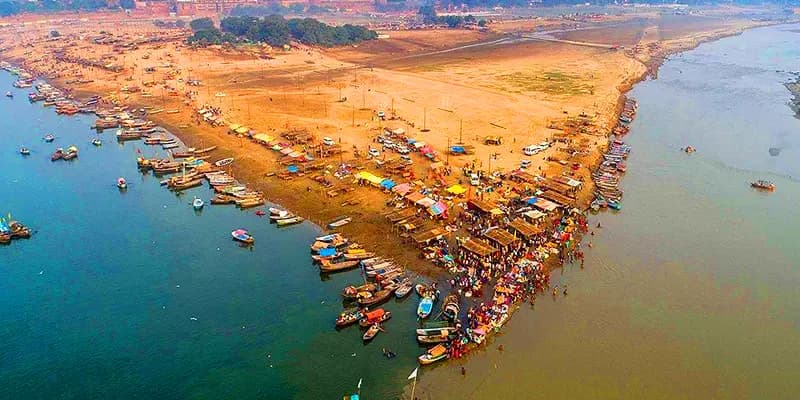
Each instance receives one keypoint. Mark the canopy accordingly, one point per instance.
(233, 127)
(388, 184)
(438, 208)
(414, 196)
(368, 176)
(292, 168)
(242, 130)
(426, 202)
(402, 188)
(327, 252)
(262, 137)
(456, 189)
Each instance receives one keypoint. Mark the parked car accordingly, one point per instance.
(374, 152)
(531, 150)
(525, 164)
(328, 141)
(406, 159)
(402, 149)
(381, 114)
(474, 180)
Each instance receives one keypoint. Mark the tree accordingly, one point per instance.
(428, 14)
(296, 8)
(201, 24)
(482, 23)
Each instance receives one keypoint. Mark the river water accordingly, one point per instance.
(691, 292)
(134, 295)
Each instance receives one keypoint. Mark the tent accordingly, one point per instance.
(456, 189)
(262, 138)
(426, 202)
(388, 183)
(369, 177)
(438, 208)
(327, 252)
(292, 168)
(402, 189)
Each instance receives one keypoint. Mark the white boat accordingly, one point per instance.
(122, 184)
(197, 203)
(224, 162)
(339, 222)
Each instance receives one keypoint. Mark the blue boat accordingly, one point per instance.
(425, 307)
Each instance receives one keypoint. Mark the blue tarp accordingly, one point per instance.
(327, 252)
(388, 184)
(292, 168)
(457, 149)
(531, 200)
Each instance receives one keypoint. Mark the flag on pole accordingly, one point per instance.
(413, 374)
(359, 383)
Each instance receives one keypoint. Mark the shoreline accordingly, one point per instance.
(292, 194)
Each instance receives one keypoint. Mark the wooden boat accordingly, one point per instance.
(274, 211)
(170, 146)
(72, 152)
(442, 338)
(197, 203)
(121, 183)
(282, 215)
(349, 316)
(351, 292)
(435, 328)
(339, 222)
(18, 231)
(763, 185)
(434, 354)
(378, 297)
(404, 289)
(359, 256)
(57, 155)
(371, 332)
(425, 307)
(187, 184)
(450, 306)
(374, 317)
(249, 203)
(339, 266)
(289, 221)
(223, 162)
(205, 150)
(123, 135)
(383, 271)
(241, 235)
(24, 151)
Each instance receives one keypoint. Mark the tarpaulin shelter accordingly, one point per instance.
(327, 252)
(426, 202)
(438, 209)
(388, 184)
(292, 168)
(369, 177)
(402, 189)
(414, 197)
(262, 138)
(545, 205)
(456, 189)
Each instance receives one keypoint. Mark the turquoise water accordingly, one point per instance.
(99, 303)
(691, 292)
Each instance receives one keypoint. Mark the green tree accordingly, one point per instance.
(201, 24)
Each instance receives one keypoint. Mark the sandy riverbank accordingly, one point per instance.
(445, 81)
